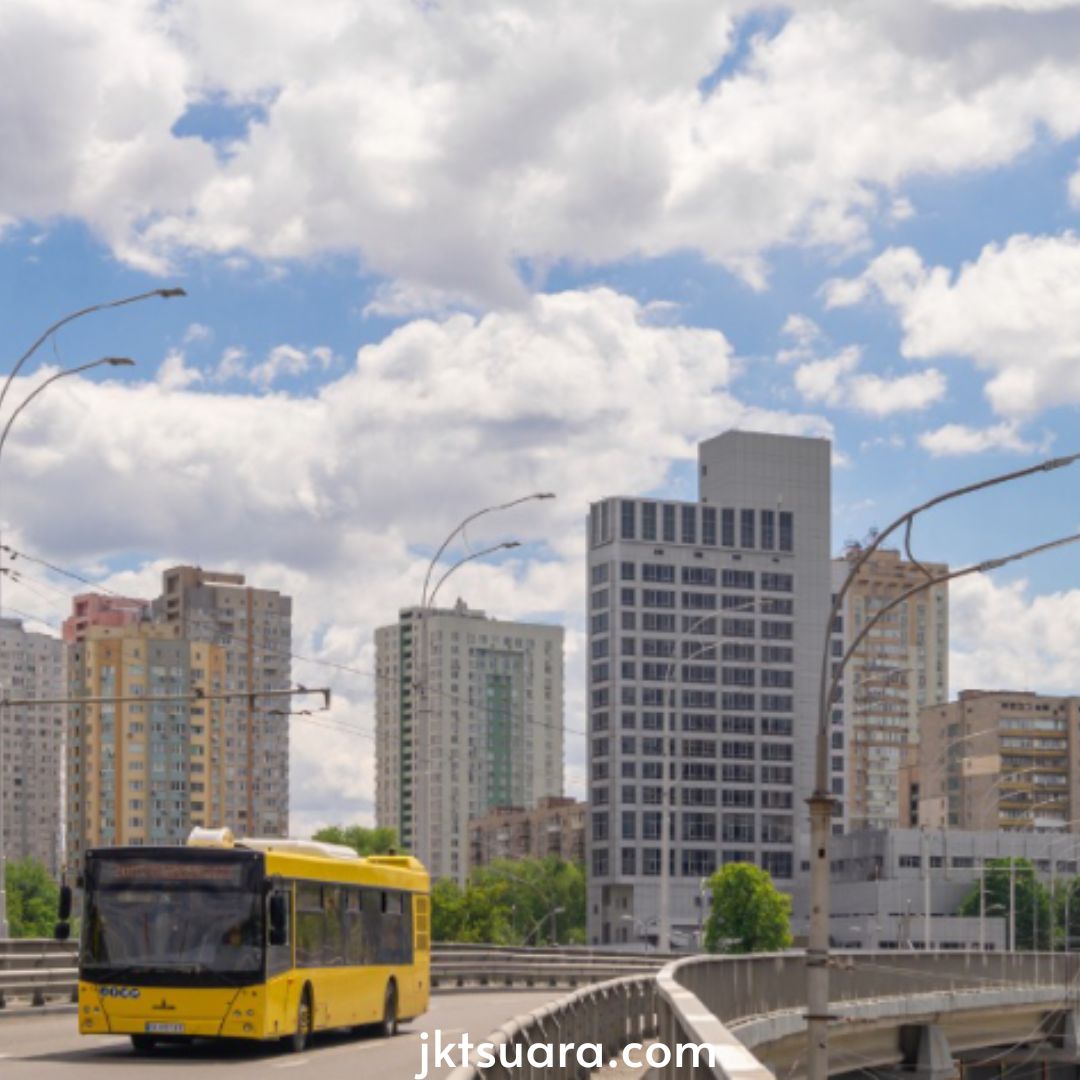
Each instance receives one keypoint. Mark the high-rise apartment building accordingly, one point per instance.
(468, 717)
(32, 754)
(1000, 759)
(901, 666)
(97, 609)
(143, 770)
(707, 623)
(254, 628)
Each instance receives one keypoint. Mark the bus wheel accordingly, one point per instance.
(388, 1027)
(299, 1039)
(143, 1044)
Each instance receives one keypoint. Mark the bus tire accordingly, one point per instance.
(305, 1016)
(143, 1044)
(388, 1026)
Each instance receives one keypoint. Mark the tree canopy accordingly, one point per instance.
(1032, 901)
(362, 840)
(32, 898)
(513, 902)
(748, 913)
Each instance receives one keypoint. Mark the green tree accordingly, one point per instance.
(363, 841)
(32, 898)
(1032, 900)
(546, 898)
(748, 913)
(513, 902)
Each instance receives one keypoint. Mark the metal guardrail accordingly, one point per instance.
(717, 999)
(40, 969)
(612, 1014)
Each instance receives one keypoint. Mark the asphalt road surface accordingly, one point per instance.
(46, 1046)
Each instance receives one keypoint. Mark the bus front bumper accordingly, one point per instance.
(172, 1012)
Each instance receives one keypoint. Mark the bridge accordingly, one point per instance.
(915, 1013)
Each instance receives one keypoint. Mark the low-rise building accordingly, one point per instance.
(555, 827)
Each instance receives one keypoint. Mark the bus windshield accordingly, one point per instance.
(186, 921)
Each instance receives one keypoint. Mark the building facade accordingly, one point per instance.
(96, 609)
(254, 629)
(555, 827)
(142, 770)
(32, 755)
(999, 759)
(468, 717)
(707, 623)
(901, 666)
(902, 888)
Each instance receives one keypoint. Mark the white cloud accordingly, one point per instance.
(448, 146)
(174, 374)
(1014, 311)
(338, 497)
(834, 381)
(957, 440)
(1005, 638)
(804, 334)
(291, 361)
(197, 332)
(231, 365)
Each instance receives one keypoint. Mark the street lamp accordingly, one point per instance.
(420, 672)
(821, 800)
(110, 361)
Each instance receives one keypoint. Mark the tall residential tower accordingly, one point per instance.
(468, 718)
(707, 626)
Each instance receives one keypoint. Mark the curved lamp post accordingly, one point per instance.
(821, 801)
(111, 361)
(420, 679)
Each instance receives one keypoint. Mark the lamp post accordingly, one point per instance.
(111, 361)
(821, 800)
(421, 680)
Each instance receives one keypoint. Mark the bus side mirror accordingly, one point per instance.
(64, 910)
(279, 915)
(62, 931)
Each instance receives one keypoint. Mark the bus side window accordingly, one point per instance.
(334, 928)
(354, 927)
(310, 924)
(279, 957)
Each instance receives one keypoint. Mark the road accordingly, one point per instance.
(45, 1046)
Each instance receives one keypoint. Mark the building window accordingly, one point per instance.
(689, 524)
(650, 862)
(648, 521)
(777, 864)
(669, 523)
(727, 527)
(768, 529)
(629, 862)
(658, 572)
(746, 528)
(626, 571)
(627, 519)
(787, 530)
(708, 526)
(599, 827)
(629, 825)
(737, 579)
(600, 862)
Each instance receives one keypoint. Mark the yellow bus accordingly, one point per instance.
(249, 939)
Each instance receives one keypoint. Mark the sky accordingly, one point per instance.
(439, 256)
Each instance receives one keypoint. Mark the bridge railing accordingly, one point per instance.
(611, 1014)
(701, 999)
(40, 969)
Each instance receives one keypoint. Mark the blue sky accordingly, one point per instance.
(435, 262)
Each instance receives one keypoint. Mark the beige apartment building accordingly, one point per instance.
(555, 827)
(142, 770)
(468, 717)
(901, 667)
(32, 750)
(254, 629)
(1000, 759)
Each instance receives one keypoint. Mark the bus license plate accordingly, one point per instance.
(165, 1029)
